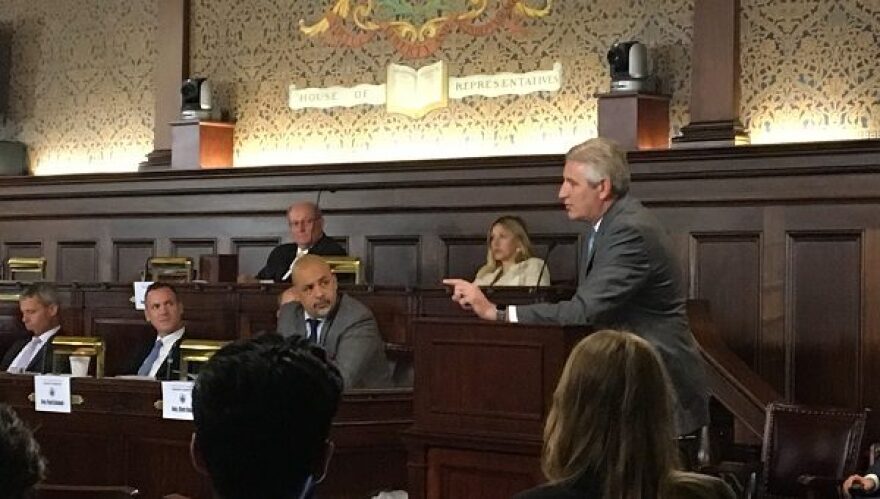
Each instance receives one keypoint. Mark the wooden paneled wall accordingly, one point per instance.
(783, 240)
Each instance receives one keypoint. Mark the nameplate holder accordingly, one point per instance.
(177, 400)
(52, 393)
(140, 294)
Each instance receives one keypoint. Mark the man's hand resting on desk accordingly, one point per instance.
(867, 484)
(470, 297)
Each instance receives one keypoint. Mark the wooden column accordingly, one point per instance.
(172, 66)
(715, 85)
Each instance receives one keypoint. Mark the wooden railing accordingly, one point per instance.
(731, 381)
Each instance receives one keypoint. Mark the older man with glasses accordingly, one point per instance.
(307, 231)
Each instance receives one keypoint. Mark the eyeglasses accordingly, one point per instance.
(307, 222)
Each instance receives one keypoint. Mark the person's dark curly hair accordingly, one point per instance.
(21, 465)
(262, 411)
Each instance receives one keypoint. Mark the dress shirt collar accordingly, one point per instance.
(170, 339)
(45, 337)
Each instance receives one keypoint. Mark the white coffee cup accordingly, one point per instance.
(79, 365)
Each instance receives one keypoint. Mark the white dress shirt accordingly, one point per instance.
(168, 342)
(24, 358)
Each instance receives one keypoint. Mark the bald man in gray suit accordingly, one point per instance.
(343, 326)
(628, 278)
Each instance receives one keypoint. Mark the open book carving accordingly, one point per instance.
(415, 93)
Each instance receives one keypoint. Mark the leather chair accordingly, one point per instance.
(84, 492)
(808, 451)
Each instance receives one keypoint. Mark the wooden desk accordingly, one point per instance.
(118, 437)
(482, 392)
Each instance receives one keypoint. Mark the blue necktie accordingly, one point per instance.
(313, 329)
(590, 243)
(150, 360)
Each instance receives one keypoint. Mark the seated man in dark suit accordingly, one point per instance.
(164, 311)
(41, 315)
(343, 326)
(307, 230)
(262, 411)
(21, 465)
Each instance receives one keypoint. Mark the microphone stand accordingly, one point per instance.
(550, 248)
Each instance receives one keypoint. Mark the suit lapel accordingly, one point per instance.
(607, 221)
(329, 333)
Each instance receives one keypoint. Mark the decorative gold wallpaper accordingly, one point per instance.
(82, 99)
(253, 50)
(81, 83)
(810, 69)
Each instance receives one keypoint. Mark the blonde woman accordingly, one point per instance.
(509, 260)
(610, 434)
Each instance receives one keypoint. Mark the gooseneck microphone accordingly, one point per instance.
(550, 248)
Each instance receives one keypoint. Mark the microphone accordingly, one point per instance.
(320, 193)
(168, 361)
(550, 248)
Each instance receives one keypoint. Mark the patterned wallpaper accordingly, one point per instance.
(81, 89)
(809, 69)
(254, 50)
(81, 83)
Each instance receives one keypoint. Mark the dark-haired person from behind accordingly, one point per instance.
(21, 465)
(610, 431)
(262, 411)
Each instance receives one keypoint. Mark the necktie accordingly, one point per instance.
(590, 243)
(313, 329)
(24, 358)
(150, 360)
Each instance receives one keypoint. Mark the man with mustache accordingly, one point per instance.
(343, 326)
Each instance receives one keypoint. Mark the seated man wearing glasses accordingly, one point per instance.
(307, 230)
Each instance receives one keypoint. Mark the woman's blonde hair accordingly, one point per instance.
(517, 227)
(611, 419)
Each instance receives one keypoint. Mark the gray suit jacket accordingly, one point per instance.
(631, 281)
(350, 337)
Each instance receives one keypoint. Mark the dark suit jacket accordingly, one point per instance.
(351, 338)
(170, 370)
(42, 361)
(282, 256)
(631, 281)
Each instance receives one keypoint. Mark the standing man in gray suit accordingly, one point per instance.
(628, 278)
(343, 326)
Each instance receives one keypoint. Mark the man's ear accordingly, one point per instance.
(319, 469)
(195, 455)
(605, 190)
(53, 310)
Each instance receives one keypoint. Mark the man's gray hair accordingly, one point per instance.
(604, 159)
(43, 291)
